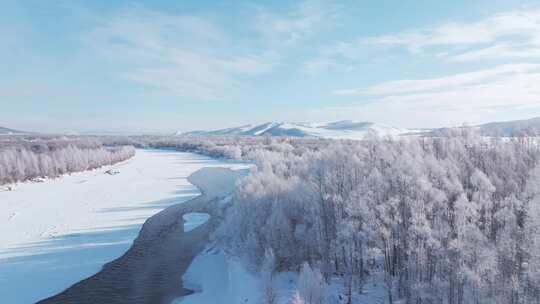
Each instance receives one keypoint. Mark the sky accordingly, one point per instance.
(164, 66)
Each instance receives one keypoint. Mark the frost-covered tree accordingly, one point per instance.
(311, 285)
(269, 292)
(296, 299)
(451, 219)
(22, 160)
(445, 220)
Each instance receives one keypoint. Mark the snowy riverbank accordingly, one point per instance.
(219, 278)
(55, 233)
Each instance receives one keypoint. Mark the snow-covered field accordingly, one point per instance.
(55, 233)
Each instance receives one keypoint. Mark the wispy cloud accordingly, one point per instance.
(199, 59)
(520, 23)
(162, 52)
(506, 45)
(505, 35)
(330, 56)
(474, 95)
(458, 81)
(509, 35)
(300, 23)
(497, 51)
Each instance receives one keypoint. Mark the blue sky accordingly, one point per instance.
(161, 66)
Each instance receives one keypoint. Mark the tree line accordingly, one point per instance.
(22, 159)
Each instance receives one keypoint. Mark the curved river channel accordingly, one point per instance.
(109, 261)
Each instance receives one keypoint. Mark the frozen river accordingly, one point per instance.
(55, 233)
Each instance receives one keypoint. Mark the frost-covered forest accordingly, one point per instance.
(23, 158)
(452, 219)
(229, 147)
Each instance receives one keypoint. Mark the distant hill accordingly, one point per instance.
(6, 131)
(528, 127)
(345, 129)
(511, 128)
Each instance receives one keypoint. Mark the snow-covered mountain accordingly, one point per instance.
(6, 131)
(229, 131)
(530, 127)
(346, 129)
(509, 128)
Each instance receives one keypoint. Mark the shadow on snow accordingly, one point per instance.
(41, 269)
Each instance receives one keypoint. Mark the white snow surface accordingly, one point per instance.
(194, 219)
(346, 130)
(217, 181)
(269, 126)
(217, 278)
(55, 233)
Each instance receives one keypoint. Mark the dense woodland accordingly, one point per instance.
(452, 219)
(229, 147)
(24, 159)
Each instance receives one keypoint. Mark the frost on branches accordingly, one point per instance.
(449, 220)
(22, 160)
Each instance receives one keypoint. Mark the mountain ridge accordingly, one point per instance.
(344, 129)
(527, 127)
(7, 131)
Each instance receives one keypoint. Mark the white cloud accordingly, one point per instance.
(514, 34)
(523, 24)
(509, 35)
(443, 83)
(501, 51)
(298, 24)
(505, 90)
(466, 97)
(192, 57)
(184, 56)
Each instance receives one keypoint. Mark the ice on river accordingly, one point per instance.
(194, 219)
(55, 233)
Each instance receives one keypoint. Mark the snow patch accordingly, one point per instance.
(194, 220)
(217, 181)
(217, 278)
